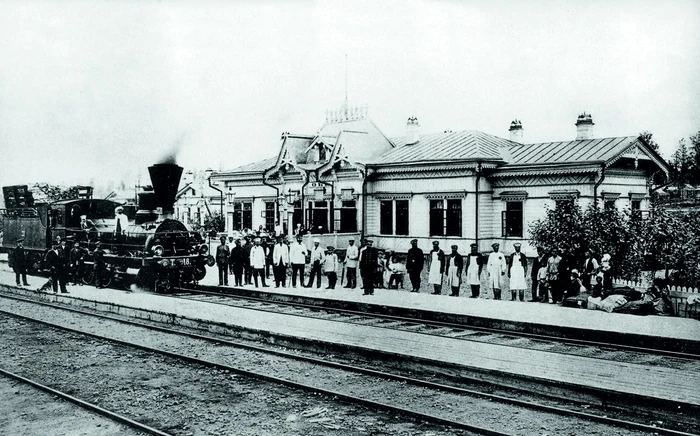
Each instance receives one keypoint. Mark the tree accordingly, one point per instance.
(694, 167)
(56, 192)
(213, 224)
(647, 137)
(562, 226)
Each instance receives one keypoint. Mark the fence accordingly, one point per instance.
(678, 294)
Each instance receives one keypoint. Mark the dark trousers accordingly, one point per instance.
(23, 273)
(237, 275)
(414, 275)
(268, 265)
(395, 280)
(59, 277)
(332, 279)
(476, 290)
(352, 278)
(315, 272)
(555, 290)
(261, 273)
(223, 274)
(367, 280)
(280, 272)
(586, 281)
(298, 268)
(248, 274)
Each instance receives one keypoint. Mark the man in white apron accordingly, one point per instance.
(516, 274)
(475, 264)
(496, 267)
(437, 268)
(455, 264)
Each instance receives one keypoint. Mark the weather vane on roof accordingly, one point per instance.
(346, 112)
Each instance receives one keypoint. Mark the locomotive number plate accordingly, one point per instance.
(186, 261)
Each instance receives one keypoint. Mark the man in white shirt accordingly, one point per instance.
(280, 260)
(257, 262)
(120, 226)
(330, 267)
(352, 255)
(317, 254)
(297, 255)
(496, 268)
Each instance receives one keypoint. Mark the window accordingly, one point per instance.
(512, 219)
(321, 152)
(242, 216)
(348, 217)
(386, 217)
(402, 217)
(446, 217)
(609, 204)
(564, 204)
(270, 217)
(636, 204)
(297, 215)
(318, 216)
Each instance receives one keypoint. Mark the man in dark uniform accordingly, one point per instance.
(19, 262)
(539, 262)
(64, 270)
(100, 265)
(237, 260)
(369, 259)
(55, 261)
(76, 260)
(222, 255)
(414, 264)
(246, 265)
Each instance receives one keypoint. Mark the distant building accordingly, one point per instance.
(195, 199)
(456, 187)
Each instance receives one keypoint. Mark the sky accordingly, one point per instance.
(92, 92)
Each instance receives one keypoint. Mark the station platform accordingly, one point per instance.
(602, 380)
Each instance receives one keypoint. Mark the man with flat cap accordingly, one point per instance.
(475, 264)
(516, 274)
(455, 265)
(496, 267)
(120, 225)
(352, 255)
(280, 260)
(317, 255)
(100, 266)
(55, 262)
(369, 259)
(297, 256)
(414, 265)
(437, 268)
(20, 261)
(237, 261)
(222, 257)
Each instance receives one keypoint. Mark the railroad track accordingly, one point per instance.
(601, 418)
(531, 341)
(114, 416)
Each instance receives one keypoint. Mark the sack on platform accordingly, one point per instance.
(612, 302)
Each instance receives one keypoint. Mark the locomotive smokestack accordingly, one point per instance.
(165, 178)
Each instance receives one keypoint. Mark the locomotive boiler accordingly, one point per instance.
(155, 251)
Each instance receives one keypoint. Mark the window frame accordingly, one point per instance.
(442, 214)
(508, 215)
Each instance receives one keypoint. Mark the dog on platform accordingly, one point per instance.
(46, 287)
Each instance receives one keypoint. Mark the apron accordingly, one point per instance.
(473, 271)
(495, 270)
(434, 277)
(453, 278)
(517, 275)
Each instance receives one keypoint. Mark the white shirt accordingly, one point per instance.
(123, 221)
(257, 257)
(330, 263)
(297, 253)
(317, 254)
(281, 252)
(351, 256)
(497, 261)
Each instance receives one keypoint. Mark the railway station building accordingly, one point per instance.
(350, 179)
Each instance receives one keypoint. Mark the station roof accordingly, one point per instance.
(588, 150)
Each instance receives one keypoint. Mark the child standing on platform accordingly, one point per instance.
(330, 267)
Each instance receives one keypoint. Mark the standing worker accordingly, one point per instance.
(237, 261)
(496, 268)
(222, 255)
(257, 262)
(316, 259)
(280, 260)
(539, 262)
(455, 265)
(330, 267)
(437, 268)
(475, 264)
(297, 255)
(100, 267)
(120, 225)
(414, 265)
(516, 274)
(368, 263)
(352, 255)
(19, 262)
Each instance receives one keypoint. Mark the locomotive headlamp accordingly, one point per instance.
(158, 250)
(164, 263)
(203, 249)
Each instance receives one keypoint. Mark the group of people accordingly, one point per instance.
(553, 276)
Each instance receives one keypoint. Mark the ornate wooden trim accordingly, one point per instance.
(513, 195)
(564, 194)
(609, 195)
(446, 195)
(388, 196)
(566, 179)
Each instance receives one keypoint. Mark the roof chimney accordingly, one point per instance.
(516, 131)
(412, 128)
(584, 127)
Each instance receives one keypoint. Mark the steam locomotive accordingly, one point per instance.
(155, 251)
